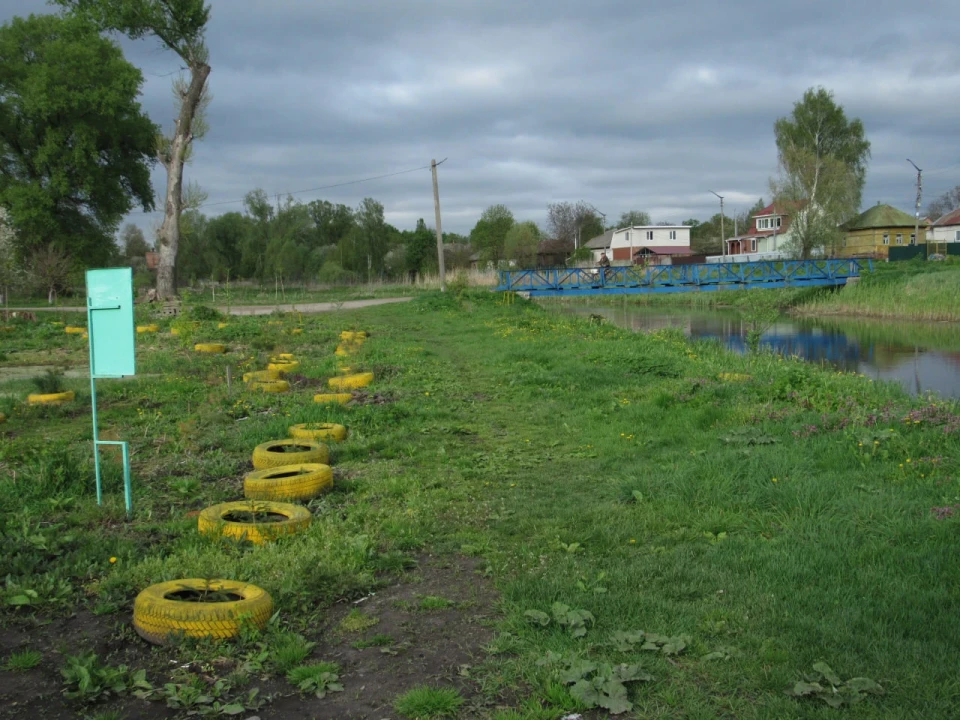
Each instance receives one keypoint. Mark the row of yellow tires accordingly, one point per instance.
(284, 470)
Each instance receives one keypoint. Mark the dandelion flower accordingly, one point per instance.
(113, 560)
(774, 480)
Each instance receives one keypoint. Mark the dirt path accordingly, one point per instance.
(259, 309)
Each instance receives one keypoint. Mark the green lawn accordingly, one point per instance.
(652, 525)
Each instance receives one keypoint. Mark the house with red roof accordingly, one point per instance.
(769, 231)
(946, 229)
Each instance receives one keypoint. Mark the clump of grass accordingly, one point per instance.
(378, 640)
(357, 621)
(427, 703)
(23, 661)
(433, 602)
(289, 651)
(320, 678)
(50, 382)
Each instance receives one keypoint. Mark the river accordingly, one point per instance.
(922, 357)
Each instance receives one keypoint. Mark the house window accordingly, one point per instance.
(649, 234)
(673, 234)
(957, 238)
(886, 239)
(758, 223)
(899, 239)
(913, 239)
(753, 245)
(779, 221)
(626, 237)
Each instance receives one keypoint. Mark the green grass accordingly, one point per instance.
(23, 661)
(798, 517)
(427, 703)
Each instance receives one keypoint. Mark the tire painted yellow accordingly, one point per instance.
(221, 326)
(51, 398)
(174, 331)
(333, 398)
(161, 612)
(270, 386)
(141, 329)
(354, 335)
(284, 357)
(73, 330)
(288, 482)
(350, 382)
(284, 366)
(215, 520)
(210, 348)
(289, 451)
(330, 432)
(261, 375)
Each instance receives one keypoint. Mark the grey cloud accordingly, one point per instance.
(623, 104)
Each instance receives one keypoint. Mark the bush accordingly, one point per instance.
(332, 274)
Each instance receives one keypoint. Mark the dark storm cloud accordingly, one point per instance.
(618, 103)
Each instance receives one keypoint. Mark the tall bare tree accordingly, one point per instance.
(179, 25)
(946, 203)
(50, 269)
(572, 223)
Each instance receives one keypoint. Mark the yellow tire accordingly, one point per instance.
(343, 350)
(141, 329)
(72, 330)
(353, 336)
(288, 482)
(270, 386)
(344, 370)
(221, 326)
(296, 331)
(319, 431)
(51, 398)
(210, 348)
(350, 382)
(217, 520)
(3, 418)
(289, 451)
(284, 366)
(260, 375)
(333, 398)
(283, 357)
(171, 609)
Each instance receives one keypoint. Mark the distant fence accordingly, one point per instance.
(909, 252)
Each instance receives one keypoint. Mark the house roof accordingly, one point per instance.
(601, 241)
(784, 207)
(664, 250)
(951, 218)
(880, 216)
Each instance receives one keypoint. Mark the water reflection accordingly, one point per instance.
(921, 357)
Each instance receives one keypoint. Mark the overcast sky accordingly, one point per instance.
(624, 104)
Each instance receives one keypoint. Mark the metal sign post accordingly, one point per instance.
(112, 334)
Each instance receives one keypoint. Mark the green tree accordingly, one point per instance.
(490, 232)
(705, 236)
(822, 169)
(179, 25)
(133, 246)
(633, 218)
(222, 239)
(946, 203)
(521, 244)
(75, 148)
(371, 240)
(420, 250)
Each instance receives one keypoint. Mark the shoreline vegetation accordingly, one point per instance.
(918, 290)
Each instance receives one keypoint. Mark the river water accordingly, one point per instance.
(922, 357)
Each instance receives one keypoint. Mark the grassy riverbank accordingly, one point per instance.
(752, 515)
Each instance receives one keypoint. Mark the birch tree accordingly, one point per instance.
(179, 25)
(822, 169)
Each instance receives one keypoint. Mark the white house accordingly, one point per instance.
(946, 229)
(640, 242)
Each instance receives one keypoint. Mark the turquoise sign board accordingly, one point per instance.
(110, 323)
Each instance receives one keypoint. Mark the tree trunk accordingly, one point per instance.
(173, 160)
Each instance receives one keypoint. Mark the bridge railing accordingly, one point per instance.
(782, 272)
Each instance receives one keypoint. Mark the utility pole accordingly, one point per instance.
(916, 226)
(723, 239)
(436, 210)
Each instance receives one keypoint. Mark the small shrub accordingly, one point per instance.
(202, 313)
(50, 382)
(427, 703)
(432, 602)
(289, 651)
(319, 679)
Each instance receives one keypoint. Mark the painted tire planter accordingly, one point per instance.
(73, 330)
(333, 398)
(210, 348)
(302, 482)
(233, 520)
(319, 431)
(350, 382)
(51, 398)
(353, 335)
(343, 351)
(270, 386)
(260, 375)
(289, 451)
(283, 366)
(141, 329)
(199, 608)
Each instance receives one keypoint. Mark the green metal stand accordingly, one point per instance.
(125, 447)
